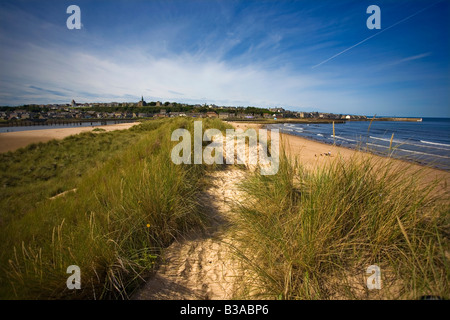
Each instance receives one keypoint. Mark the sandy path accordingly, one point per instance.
(10, 141)
(201, 267)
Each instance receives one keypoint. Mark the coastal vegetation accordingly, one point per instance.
(312, 233)
(126, 202)
(111, 202)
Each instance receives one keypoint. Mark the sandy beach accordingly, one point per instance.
(10, 141)
(312, 155)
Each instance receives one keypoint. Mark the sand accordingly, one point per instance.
(11, 141)
(311, 154)
(202, 266)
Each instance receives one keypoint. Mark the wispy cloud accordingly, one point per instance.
(374, 35)
(412, 58)
(227, 53)
(177, 93)
(52, 92)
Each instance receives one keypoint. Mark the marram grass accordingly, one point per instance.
(311, 234)
(302, 234)
(127, 207)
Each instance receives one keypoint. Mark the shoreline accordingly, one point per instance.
(308, 152)
(370, 153)
(321, 120)
(51, 122)
(11, 141)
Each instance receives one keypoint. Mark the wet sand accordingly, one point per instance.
(11, 141)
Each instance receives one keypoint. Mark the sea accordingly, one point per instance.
(426, 142)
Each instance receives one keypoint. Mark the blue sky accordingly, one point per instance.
(235, 53)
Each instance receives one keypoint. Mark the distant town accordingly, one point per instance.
(139, 110)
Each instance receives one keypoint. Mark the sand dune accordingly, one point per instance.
(201, 266)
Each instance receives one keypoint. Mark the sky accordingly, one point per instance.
(310, 55)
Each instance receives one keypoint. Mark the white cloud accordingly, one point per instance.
(124, 75)
(134, 73)
(412, 58)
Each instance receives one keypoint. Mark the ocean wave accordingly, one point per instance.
(415, 144)
(410, 151)
(344, 138)
(435, 143)
(388, 140)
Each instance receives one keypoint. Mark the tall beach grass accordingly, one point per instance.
(312, 234)
(130, 202)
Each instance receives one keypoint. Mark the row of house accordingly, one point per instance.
(79, 114)
(212, 114)
(25, 115)
(318, 115)
(73, 111)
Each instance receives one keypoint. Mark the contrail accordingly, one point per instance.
(386, 29)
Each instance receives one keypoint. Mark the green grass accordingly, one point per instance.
(42, 170)
(311, 234)
(124, 182)
(302, 234)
